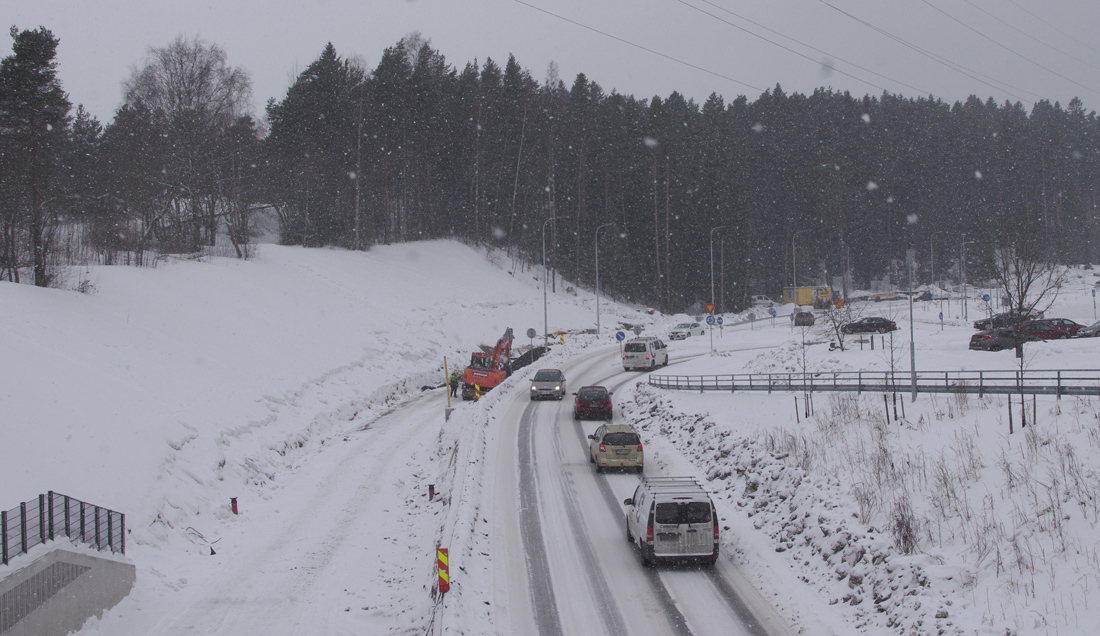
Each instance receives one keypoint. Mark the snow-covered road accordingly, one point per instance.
(570, 568)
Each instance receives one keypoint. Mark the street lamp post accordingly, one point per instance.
(712, 231)
(932, 253)
(545, 320)
(794, 262)
(597, 242)
(962, 267)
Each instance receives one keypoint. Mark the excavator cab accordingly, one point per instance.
(479, 361)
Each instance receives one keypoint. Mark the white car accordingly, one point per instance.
(762, 301)
(685, 330)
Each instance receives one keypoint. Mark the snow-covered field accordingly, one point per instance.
(294, 382)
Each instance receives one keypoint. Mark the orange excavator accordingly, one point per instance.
(488, 369)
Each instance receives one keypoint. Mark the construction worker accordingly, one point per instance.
(453, 382)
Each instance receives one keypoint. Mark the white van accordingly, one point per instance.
(646, 352)
(672, 518)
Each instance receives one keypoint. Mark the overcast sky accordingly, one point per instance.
(1019, 50)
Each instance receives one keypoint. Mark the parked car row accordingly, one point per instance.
(1031, 331)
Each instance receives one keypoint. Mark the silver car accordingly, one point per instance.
(548, 383)
(1092, 331)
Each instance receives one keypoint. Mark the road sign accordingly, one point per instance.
(710, 320)
(637, 331)
(941, 316)
(531, 332)
(710, 307)
(620, 336)
(772, 312)
(719, 320)
(985, 297)
(752, 316)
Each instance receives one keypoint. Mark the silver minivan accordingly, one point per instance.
(646, 352)
(672, 518)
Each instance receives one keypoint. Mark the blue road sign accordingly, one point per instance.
(941, 316)
(710, 320)
(719, 318)
(985, 297)
(620, 336)
(772, 312)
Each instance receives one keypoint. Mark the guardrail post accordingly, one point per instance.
(981, 384)
(859, 384)
(4, 535)
(110, 531)
(122, 532)
(23, 525)
(42, 518)
(68, 525)
(1058, 391)
(95, 511)
(49, 501)
(83, 526)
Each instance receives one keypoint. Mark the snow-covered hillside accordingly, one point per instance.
(168, 390)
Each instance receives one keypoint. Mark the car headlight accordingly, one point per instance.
(534, 388)
(557, 388)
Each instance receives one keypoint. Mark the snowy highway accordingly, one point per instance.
(571, 569)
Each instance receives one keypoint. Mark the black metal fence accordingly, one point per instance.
(1030, 382)
(53, 516)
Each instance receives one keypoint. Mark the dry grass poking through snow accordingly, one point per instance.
(937, 523)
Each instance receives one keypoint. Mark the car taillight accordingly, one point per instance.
(609, 403)
(985, 337)
(649, 534)
(647, 356)
(716, 529)
(602, 449)
(639, 448)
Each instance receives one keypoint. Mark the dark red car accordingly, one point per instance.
(1051, 328)
(592, 402)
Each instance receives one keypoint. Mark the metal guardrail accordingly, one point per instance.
(54, 515)
(1030, 382)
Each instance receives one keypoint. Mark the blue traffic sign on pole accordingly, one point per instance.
(719, 318)
(620, 336)
(985, 297)
(772, 312)
(710, 320)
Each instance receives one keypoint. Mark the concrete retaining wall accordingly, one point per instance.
(54, 594)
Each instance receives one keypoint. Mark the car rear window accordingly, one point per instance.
(592, 394)
(547, 376)
(682, 512)
(621, 439)
(635, 347)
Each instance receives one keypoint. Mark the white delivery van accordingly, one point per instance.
(672, 518)
(646, 352)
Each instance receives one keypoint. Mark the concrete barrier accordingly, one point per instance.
(54, 594)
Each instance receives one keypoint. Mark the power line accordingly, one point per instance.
(1019, 55)
(1032, 37)
(639, 46)
(958, 68)
(812, 48)
(1040, 19)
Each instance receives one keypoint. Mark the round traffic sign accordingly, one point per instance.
(620, 336)
(719, 319)
(772, 312)
(941, 316)
(985, 297)
(531, 332)
(752, 316)
(710, 320)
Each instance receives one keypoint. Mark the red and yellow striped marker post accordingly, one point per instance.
(444, 574)
(477, 392)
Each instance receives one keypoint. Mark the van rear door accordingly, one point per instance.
(683, 528)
